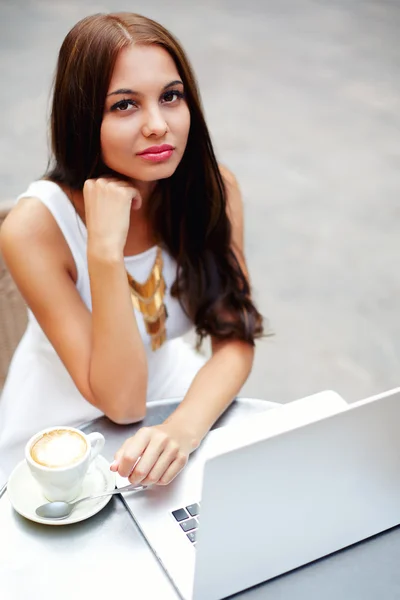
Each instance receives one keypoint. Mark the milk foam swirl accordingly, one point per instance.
(59, 448)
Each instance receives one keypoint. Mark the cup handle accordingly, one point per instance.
(96, 441)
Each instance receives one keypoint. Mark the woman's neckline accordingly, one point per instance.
(131, 257)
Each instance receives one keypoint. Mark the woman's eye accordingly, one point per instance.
(171, 96)
(123, 105)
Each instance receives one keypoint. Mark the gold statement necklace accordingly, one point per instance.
(148, 298)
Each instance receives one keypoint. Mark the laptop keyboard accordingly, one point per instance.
(188, 520)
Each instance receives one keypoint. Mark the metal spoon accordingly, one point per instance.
(62, 510)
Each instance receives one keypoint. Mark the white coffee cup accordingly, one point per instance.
(59, 458)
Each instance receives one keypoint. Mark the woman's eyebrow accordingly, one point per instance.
(133, 93)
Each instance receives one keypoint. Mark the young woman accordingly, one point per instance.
(133, 237)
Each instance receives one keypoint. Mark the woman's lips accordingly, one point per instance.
(157, 153)
(157, 156)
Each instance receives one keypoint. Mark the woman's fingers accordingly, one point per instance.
(133, 448)
(151, 456)
(147, 445)
(175, 467)
(161, 466)
(136, 201)
(108, 206)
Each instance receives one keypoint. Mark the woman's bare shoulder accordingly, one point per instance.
(234, 201)
(228, 176)
(30, 227)
(29, 220)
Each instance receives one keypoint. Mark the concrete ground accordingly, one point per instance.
(303, 102)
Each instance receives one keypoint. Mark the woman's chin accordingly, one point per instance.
(154, 174)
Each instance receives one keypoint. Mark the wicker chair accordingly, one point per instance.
(13, 313)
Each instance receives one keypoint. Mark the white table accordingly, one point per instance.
(106, 555)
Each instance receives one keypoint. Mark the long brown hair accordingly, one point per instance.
(188, 210)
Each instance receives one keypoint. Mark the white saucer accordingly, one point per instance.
(25, 494)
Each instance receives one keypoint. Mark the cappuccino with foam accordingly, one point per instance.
(59, 458)
(59, 448)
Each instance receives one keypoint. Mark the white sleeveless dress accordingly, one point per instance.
(39, 392)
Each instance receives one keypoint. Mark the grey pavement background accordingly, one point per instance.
(303, 103)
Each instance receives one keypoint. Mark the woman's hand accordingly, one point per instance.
(163, 452)
(108, 204)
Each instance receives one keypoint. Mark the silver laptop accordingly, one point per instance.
(275, 492)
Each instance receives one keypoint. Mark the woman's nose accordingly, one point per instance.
(154, 123)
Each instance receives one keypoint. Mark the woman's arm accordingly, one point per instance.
(215, 386)
(102, 351)
(118, 363)
(164, 449)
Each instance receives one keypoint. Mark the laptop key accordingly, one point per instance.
(192, 536)
(193, 510)
(180, 514)
(188, 525)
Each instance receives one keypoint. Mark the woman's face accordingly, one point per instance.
(146, 119)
